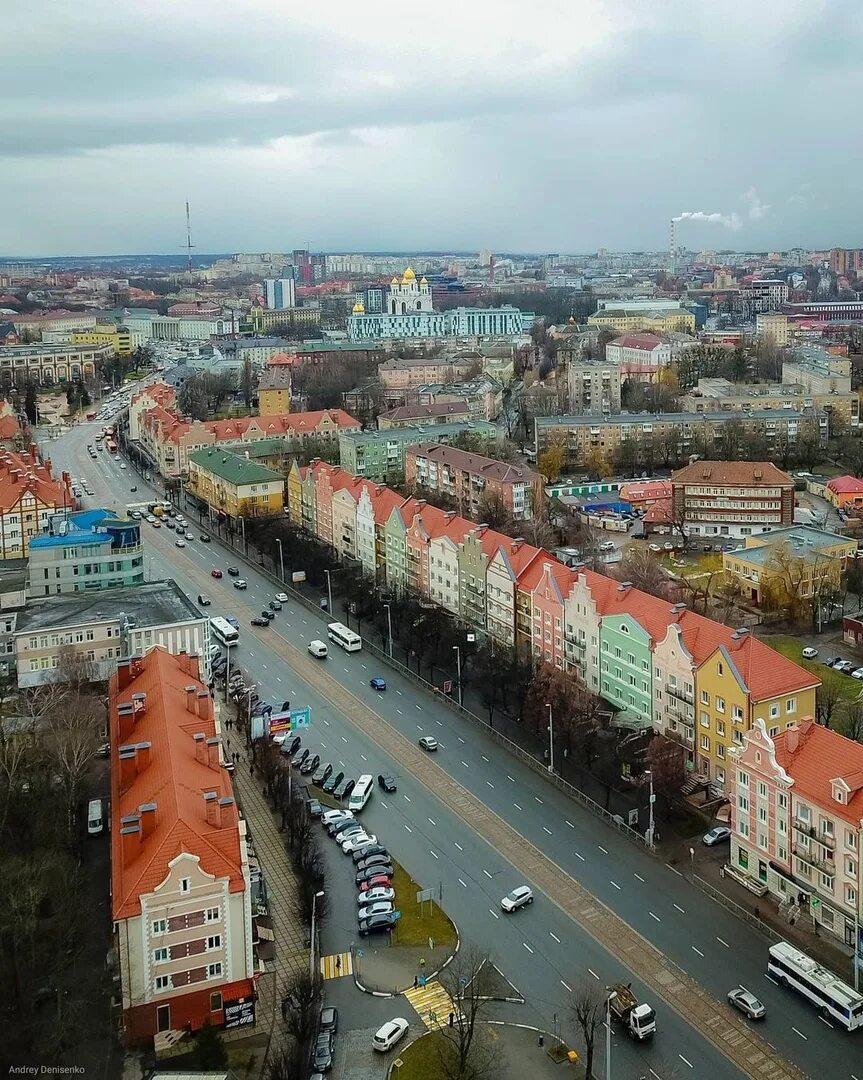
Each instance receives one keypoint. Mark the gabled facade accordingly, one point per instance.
(626, 666)
(581, 631)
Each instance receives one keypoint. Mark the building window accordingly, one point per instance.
(705, 698)
(185, 885)
(211, 914)
(774, 711)
(743, 802)
(160, 956)
(163, 982)
(782, 800)
(705, 743)
(791, 705)
(720, 705)
(160, 926)
(743, 778)
(803, 813)
(214, 941)
(214, 971)
(216, 1002)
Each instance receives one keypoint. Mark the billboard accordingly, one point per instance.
(239, 1012)
(292, 720)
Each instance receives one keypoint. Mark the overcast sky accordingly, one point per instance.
(556, 125)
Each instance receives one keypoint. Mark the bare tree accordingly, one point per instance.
(75, 728)
(464, 1053)
(587, 1006)
(641, 566)
(827, 697)
(248, 382)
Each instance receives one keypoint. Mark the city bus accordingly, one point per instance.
(361, 793)
(112, 446)
(341, 635)
(834, 998)
(222, 631)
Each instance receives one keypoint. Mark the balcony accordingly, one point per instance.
(679, 693)
(577, 643)
(822, 838)
(805, 854)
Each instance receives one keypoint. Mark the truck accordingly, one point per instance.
(638, 1018)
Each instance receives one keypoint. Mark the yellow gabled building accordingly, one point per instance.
(234, 484)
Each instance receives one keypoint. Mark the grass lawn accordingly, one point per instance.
(420, 1060)
(419, 922)
(847, 687)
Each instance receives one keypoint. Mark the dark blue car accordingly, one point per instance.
(377, 683)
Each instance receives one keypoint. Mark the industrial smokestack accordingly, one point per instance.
(673, 249)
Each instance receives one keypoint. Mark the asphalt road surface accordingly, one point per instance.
(540, 949)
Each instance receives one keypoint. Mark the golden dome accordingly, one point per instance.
(408, 275)
(359, 308)
(424, 280)
(395, 281)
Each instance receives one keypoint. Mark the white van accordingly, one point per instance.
(318, 649)
(94, 817)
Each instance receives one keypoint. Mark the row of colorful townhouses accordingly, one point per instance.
(658, 663)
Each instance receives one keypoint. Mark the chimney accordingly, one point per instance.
(124, 674)
(225, 815)
(450, 514)
(142, 755)
(211, 808)
(516, 544)
(126, 719)
(148, 819)
(792, 739)
(131, 838)
(203, 698)
(191, 691)
(213, 759)
(128, 767)
(677, 611)
(624, 585)
(739, 636)
(200, 747)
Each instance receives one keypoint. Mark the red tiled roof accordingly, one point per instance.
(24, 472)
(174, 779)
(659, 513)
(9, 427)
(821, 757)
(423, 412)
(646, 489)
(845, 485)
(735, 473)
(644, 342)
(490, 468)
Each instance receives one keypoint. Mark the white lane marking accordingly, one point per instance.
(725, 943)
(344, 740)
(640, 878)
(484, 758)
(510, 777)
(419, 727)
(464, 883)
(614, 883)
(490, 784)
(439, 723)
(602, 849)
(346, 671)
(458, 845)
(805, 1038)
(650, 913)
(434, 854)
(363, 756)
(399, 712)
(564, 985)
(529, 949)
(343, 766)
(409, 829)
(325, 721)
(465, 764)
(680, 909)
(264, 666)
(278, 678)
(399, 693)
(460, 739)
(487, 874)
(418, 706)
(700, 953)
(593, 973)
(382, 805)
(323, 745)
(823, 1021)
(545, 828)
(771, 979)
(538, 799)
(515, 804)
(671, 868)
(579, 856)
(406, 797)
(569, 823)
(552, 934)
(364, 667)
(491, 911)
(432, 822)
(685, 1062)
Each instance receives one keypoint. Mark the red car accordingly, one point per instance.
(215, 573)
(379, 879)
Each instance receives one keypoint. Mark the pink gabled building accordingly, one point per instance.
(797, 822)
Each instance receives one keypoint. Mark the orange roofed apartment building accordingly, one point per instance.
(180, 891)
(29, 496)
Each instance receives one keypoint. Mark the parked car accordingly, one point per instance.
(310, 764)
(329, 1020)
(336, 815)
(346, 829)
(392, 1032)
(372, 880)
(358, 842)
(857, 673)
(373, 860)
(387, 783)
(518, 898)
(379, 874)
(314, 807)
(717, 835)
(302, 759)
(429, 742)
(377, 924)
(321, 774)
(607, 545)
(809, 653)
(377, 683)
(381, 907)
(291, 746)
(747, 1003)
(332, 782)
(344, 789)
(372, 848)
(323, 1056)
(375, 895)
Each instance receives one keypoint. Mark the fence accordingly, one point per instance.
(736, 910)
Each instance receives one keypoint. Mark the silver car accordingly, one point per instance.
(747, 1003)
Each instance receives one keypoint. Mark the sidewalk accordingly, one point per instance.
(391, 969)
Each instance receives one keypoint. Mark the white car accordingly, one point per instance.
(122, 464)
(357, 841)
(179, 543)
(282, 597)
(519, 897)
(381, 908)
(334, 815)
(387, 1036)
(857, 673)
(189, 536)
(809, 653)
(607, 545)
(380, 894)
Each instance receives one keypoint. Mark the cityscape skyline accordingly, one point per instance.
(474, 133)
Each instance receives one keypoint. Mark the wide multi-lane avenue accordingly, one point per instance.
(543, 950)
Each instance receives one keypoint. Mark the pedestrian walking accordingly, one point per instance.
(251, 768)
(338, 963)
(416, 981)
(284, 1009)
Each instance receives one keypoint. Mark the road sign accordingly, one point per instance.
(814, 903)
(447, 686)
(425, 894)
(633, 817)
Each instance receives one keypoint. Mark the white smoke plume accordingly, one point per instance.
(730, 221)
(757, 208)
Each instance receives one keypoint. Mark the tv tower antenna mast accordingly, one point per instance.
(189, 244)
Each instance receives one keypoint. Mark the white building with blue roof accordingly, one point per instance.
(83, 551)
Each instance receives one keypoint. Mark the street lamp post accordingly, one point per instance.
(330, 591)
(281, 559)
(457, 651)
(312, 949)
(550, 738)
(389, 631)
(651, 801)
(611, 996)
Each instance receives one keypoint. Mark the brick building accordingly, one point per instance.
(731, 498)
(469, 478)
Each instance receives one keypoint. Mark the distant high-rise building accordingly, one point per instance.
(302, 266)
(845, 261)
(280, 293)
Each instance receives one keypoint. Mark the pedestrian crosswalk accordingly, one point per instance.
(432, 1003)
(337, 965)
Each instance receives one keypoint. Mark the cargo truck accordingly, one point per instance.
(638, 1018)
